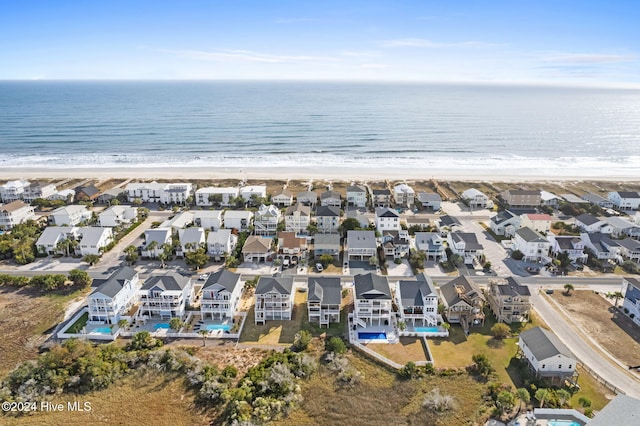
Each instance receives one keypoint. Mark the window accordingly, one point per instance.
(559, 366)
(543, 366)
(569, 366)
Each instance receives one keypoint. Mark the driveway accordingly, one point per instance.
(360, 267)
(493, 251)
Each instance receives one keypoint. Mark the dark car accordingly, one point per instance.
(549, 291)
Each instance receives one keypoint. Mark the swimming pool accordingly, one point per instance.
(426, 329)
(102, 330)
(161, 326)
(563, 423)
(372, 336)
(212, 327)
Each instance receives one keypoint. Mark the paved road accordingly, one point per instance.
(583, 351)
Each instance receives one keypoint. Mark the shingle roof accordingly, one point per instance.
(256, 244)
(306, 210)
(381, 192)
(169, 282)
(412, 293)
(513, 288)
(281, 285)
(331, 211)
(594, 198)
(330, 194)
(622, 411)
(449, 221)
(543, 344)
(523, 192)
(361, 239)
(12, 206)
(326, 241)
(470, 240)
(469, 291)
(224, 279)
(531, 236)
(112, 285)
(355, 188)
(371, 286)
(289, 240)
(587, 219)
(566, 242)
(325, 290)
(629, 244)
(429, 197)
(221, 236)
(502, 216)
(159, 235)
(386, 212)
(90, 190)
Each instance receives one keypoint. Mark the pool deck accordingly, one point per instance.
(549, 416)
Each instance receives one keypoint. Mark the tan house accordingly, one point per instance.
(463, 302)
(283, 198)
(257, 249)
(522, 197)
(509, 300)
(291, 249)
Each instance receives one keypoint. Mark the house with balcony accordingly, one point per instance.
(356, 196)
(572, 245)
(237, 219)
(37, 190)
(372, 300)
(328, 219)
(257, 249)
(216, 196)
(505, 223)
(548, 358)
(361, 245)
(532, 244)
(463, 302)
(326, 244)
(404, 195)
(323, 300)
(620, 228)
(93, 240)
(331, 198)
(387, 219)
(107, 196)
(549, 199)
(602, 246)
(208, 219)
(66, 195)
(176, 193)
(589, 223)
(629, 249)
(164, 297)
(282, 198)
(273, 299)
(396, 243)
(509, 300)
(266, 219)
(597, 200)
(522, 197)
(465, 244)
(69, 215)
(179, 221)
(625, 200)
(221, 243)
(117, 215)
(476, 199)
(87, 193)
(631, 301)
(291, 249)
(154, 239)
(297, 218)
(15, 213)
(381, 197)
(190, 239)
(48, 241)
(221, 295)
(248, 193)
(432, 245)
(13, 190)
(112, 299)
(538, 222)
(307, 198)
(447, 224)
(429, 201)
(417, 302)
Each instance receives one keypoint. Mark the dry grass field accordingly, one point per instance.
(409, 349)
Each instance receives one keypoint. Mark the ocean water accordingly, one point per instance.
(274, 124)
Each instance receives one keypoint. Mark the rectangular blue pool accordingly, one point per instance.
(212, 327)
(426, 329)
(563, 423)
(381, 335)
(102, 330)
(160, 326)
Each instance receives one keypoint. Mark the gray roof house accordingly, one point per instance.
(623, 410)
(326, 244)
(112, 298)
(361, 245)
(430, 200)
(372, 301)
(418, 301)
(331, 198)
(547, 356)
(463, 302)
(221, 295)
(165, 296)
(273, 299)
(324, 299)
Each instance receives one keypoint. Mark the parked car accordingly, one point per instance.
(203, 277)
(319, 267)
(549, 291)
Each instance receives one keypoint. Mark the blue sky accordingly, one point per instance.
(552, 42)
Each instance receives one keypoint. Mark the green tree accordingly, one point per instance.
(505, 401)
(131, 254)
(151, 249)
(80, 278)
(542, 395)
(336, 345)
(349, 224)
(143, 340)
(584, 401)
(417, 258)
(312, 229)
(204, 334)
(523, 396)
(197, 258)
(231, 262)
(176, 324)
(326, 260)
(91, 259)
(123, 322)
(616, 296)
(563, 397)
(500, 331)
(301, 340)
(482, 365)
(568, 287)
(215, 200)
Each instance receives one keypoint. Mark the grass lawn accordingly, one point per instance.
(591, 389)
(409, 349)
(79, 325)
(276, 332)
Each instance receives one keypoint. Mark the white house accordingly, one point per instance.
(52, 235)
(180, 220)
(396, 243)
(93, 239)
(273, 299)
(265, 220)
(66, 195)
(307, 198)
(331, 198)
(210, 195)
(260, 191)
(13, 190)
(546, 355)
(221, 243)
(111, 299)
(625, 200)
(165, 297)
(372, 300)
(361, 245)
(190, 240)
(38, 190)
(328, 219)
(326, 244)
(465, 244)
(631, 301)
(431, 244)
(117, 215)
(221, 295)
(297, 218)
(145, 191)
(324, 300)
(14, 213)
(630, 249)
(208, 219)
(589, 223)
(257, 249)
(603, 247)
(238, 219)
(430, 200)
(404, 195)
(381, 197)
(522, 197)
(619, 227)
(536, 221)
(597, 200)
(532, 244)
(154, 240)
(69, 215)
(176, 193)
(356, 196)
(476, 199)
(387, 219)
(505, 223)
(572, 245)
(418, 302)
(282, 198)
(549, 199)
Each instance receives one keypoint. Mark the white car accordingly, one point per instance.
(203, 277)
(319, 267)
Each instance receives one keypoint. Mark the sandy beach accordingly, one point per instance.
(327, 173)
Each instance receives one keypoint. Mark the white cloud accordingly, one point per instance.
(368, 54)
(228, 55)
(588, 58)
(420, 42)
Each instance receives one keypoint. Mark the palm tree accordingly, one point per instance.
(569, 288)
(616, 296)
(151, 247)
(524, 396)
(123, 323)
(542, 395)
(204, 334)
(176, 323)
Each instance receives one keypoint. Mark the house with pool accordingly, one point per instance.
(114, 298)
(372, 316)
(463, 302)
(324, 299)
(220, 296)
(417, 302)
(273, 299)
(163, 297)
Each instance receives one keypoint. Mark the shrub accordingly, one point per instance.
(517, 255)
(80, 278)
(336, 345)
(500, 330)
(435, 401)
(585, 402)
(301, 340)
(482, 365)
(397, 261)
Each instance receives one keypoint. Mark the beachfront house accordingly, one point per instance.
(429, 201)
(417, 302)
(179, 221)
(208, 219)
(69, 215)
(176, 193)
(164, 297)
(463, 302)
(630, 249)
(291, 249)
(625, 200)
(37, 190)
(328, 219)
(356, 196)
(50, 240)
(215, 196)
(14, 213)
(273, 299)
(109, 195)
(589, 223)
(381, 197)
(221, 295)
(94, 240)
(237, 219)
(465, 244)
(154, 240)
(147, 192)
(432, 245)
(532, 244)
(326, 244)
(631, 301)
(266, 219)
(505, 223)
(297, 218)
(307, 198)
(257, 249)
(548, 358)
(509, 300)
(387, 219)
(572, 245)
(323, 300)
(538, 222)
(117, 215)
(221, 243)
(549, 199)
(602, 246)
(190, 239)
(521, 197)
(372, 300)
(13, 190)
(282, 198)
(66, 195)
(112, 299)
(361, 245)
(404, 195)
(476, 199)
(251, 192)
(331, 198)
(87, 193)
(619, 227)
(597, 200)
